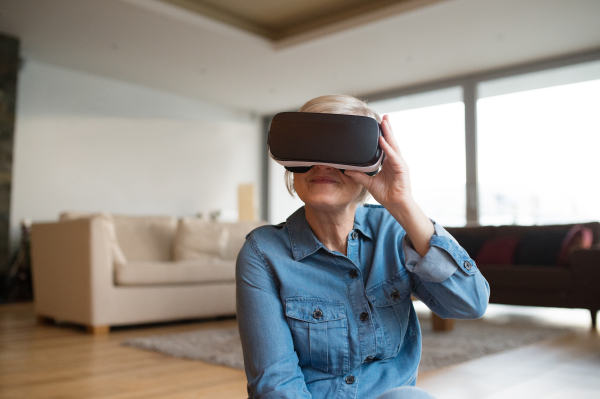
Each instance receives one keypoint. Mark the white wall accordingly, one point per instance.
(281, 203)
(87, 143)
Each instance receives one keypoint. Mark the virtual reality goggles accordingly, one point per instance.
(300, 140)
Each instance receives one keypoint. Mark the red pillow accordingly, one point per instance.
(578, 237)
(498, 251)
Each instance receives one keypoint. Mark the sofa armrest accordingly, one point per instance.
(72, 268)
(586, 270)
(588, 259)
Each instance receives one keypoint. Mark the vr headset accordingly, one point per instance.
(300, 140)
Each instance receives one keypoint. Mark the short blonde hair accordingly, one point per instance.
(335, 104)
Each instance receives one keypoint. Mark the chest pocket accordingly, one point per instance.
(392, 303)
(320, 332)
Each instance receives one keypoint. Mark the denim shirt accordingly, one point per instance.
(315, 323)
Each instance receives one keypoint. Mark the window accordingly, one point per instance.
(429, 128)
(538, 143)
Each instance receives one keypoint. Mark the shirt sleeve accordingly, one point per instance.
(446, 279)
(270, 361)
(436, 266)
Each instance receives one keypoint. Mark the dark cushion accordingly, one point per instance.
(578, 237)
(470, 242)
(526, 278)
(498, 251)
(540, 248)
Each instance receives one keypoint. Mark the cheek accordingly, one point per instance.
(298, 183)
(354, 190)
(352, 186)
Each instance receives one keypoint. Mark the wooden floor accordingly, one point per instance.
(62, 361)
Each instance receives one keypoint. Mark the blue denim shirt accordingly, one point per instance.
(315, 323)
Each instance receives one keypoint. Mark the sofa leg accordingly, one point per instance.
(97, 330)
(593, 312)
(440, 324)
(43, 320)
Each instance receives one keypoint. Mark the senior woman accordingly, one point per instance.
(324, 299)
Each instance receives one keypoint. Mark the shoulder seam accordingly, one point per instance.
(260, 257)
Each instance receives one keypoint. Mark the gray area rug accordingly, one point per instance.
(469, 339)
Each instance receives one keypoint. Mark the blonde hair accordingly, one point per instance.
(335, 104)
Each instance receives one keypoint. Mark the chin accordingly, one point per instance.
(325, 201)
(325, 196)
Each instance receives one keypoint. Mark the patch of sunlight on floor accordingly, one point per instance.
(560, 317)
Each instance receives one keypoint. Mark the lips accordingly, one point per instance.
(323, 179)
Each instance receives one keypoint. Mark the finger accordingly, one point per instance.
(359, 177)
(392, 159)
(390, 153)
(389, 135)
(391, 139)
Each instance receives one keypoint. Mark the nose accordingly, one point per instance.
(323, 167)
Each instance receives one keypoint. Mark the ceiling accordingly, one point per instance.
(160, 45)
(291, 21)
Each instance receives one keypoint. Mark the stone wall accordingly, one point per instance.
(9, 64)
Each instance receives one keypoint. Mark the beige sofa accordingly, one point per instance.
(103, 270)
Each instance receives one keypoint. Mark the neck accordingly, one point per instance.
(332, 227)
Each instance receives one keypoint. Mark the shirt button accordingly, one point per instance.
(354, 235)
(317, 314)
(364, 316)
(350, 379)
(468, 265)
(369, 359)
(395, 295)
(353, 273)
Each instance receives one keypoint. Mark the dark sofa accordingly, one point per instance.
(575, 284)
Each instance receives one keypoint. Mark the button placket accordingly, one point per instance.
(349, 389)
(352, 251)
(366, 330)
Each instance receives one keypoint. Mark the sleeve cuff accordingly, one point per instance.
(436, 266)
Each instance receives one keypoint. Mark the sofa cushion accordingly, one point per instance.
(497, 251)
(530, 278)
(146, 238)
(540, 247)
(207, 269)
(578, 237)
(471, 242)
(109, 229)
(196, 238)
(237, 233)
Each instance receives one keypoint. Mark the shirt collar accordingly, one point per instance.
(360, 221)
(303, 240)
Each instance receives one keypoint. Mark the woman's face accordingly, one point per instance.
(326, 188)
